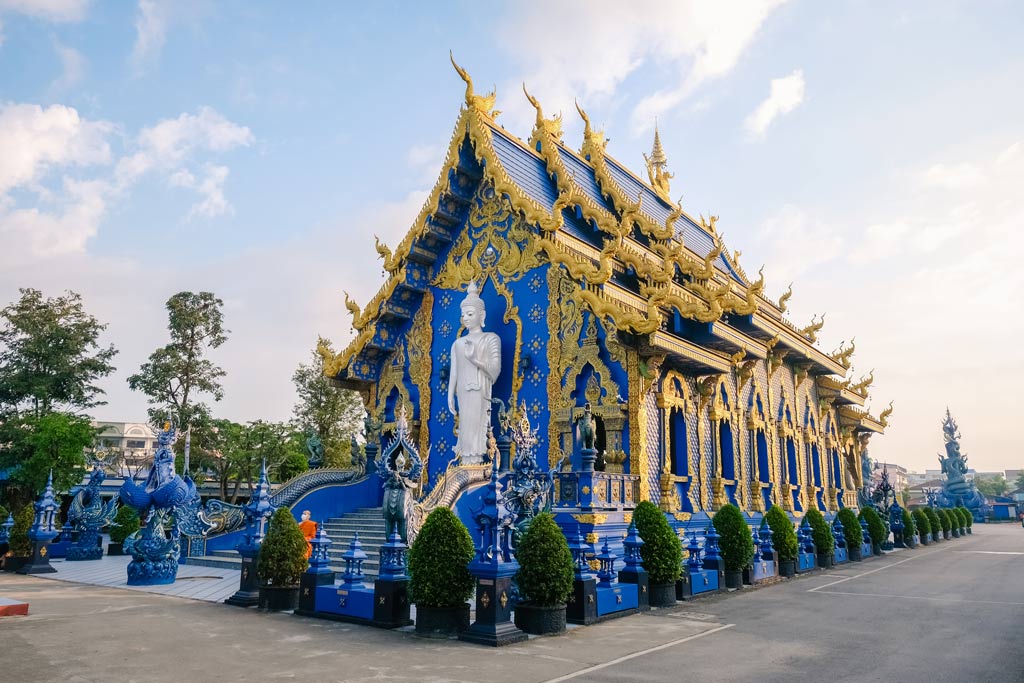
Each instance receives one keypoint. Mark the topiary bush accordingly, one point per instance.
(19, 544)
(934, 523)
(736, 543)
(851, 528)
(969, 518)
(908, 524)
(438, 561)
(946, 517)
(783, 535)
(545, 564)
(126, 523)
(876, 527)
(662, 553)
(922, 523)
(282, 556)
(962, 513)
(824, 540)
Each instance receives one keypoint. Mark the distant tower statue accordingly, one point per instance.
(656, 164)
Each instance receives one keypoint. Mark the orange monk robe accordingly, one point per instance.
(309, 531)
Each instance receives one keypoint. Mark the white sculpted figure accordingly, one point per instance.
(476, 363)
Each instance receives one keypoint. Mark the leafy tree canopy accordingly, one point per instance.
(176, 373)
(50, 358)
(996, 486)
(333, 414)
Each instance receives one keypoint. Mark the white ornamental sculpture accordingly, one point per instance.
(476, 364)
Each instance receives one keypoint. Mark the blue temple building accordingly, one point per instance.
(604, 291)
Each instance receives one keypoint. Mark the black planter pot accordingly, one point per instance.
(854, 553)
(945, 534)
(279, 599)
(924, 539)
(441, 622)
(936, 536)
(663, 594)
(826, 560)
(787, 568)
(13, 564)
(540, 620)
(969, 532)
(114, 549)
(876, 549)
(733, 579)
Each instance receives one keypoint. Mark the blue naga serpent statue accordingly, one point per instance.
(156, 546)
(88, 514)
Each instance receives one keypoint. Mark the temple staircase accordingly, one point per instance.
(369, 523)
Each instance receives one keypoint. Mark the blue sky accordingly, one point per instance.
(872, 152)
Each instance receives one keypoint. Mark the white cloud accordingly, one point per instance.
(953, 177)
(52, 218)
(792, 241)
(52, 10)
(609, 40)
(72, 67)
(35, 140)
(786, 94)
(150, 32)
(211, 187)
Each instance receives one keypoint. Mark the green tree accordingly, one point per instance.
(54, 441)
(996, 486)
(50, 358)
(332, 413)
(177, 373)
(783, 535)
(545, 563)
(282, 556)
(661, 553)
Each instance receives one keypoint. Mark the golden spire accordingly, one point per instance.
(656, 163)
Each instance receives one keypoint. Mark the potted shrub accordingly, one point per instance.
(947, 522)
(19, 546)
(962, 512)
(735, 543)
(876, 528)
(955, 521)
(968, 518)
(934, 523)
(823, 538)
(282, 560)
(544, 578)
(439, 578)
(909, 529)
(923, 526)
(661, 553)
(126, 523)
(852, 532)
(784, 539)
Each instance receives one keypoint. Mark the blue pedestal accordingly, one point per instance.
(59, 549)
(352, 601)
(866, 550)
(704, 581)
(619, 597)
(763, 569)
(841, 556)
(805, 562)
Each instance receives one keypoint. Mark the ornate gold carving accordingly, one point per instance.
(552, 126)
(485, 599)
(682, 516)
(591, 518)
(669, 495)
(421, 339)
(883, 418)
(482, 104)
(861, 387)
(503, 600)
(784, 299)
(391, 263)
(811, 331)
(844, 356)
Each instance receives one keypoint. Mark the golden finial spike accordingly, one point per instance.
(483, 104)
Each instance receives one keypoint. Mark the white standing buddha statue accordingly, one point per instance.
(475, 366)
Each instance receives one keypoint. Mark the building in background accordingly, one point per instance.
(126, 447)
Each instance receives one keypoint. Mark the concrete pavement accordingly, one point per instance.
(949, 612)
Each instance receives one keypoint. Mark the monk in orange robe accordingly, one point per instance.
(308, 530)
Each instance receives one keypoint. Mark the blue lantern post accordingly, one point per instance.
(633, 570)
(42, 532)
(257, 516)
(318, 573)
(5, 530)
(494, 566)
(391, 589)
(582, 605)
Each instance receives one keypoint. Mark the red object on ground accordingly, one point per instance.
(13, 608)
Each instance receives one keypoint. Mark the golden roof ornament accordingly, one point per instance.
(656, 164)
(883, 419)
(784, 299)
(552, 126)
(709, 224)
(811, 331)
(594, 142)
(843, 356)
(483, 104)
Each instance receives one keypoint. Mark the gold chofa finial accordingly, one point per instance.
(552, 126)
(656, 164)
(483, 104)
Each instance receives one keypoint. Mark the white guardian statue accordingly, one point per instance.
(476, 364)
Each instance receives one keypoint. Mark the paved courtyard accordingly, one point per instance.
(952, 612)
